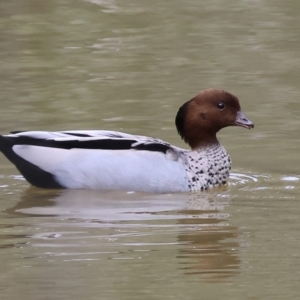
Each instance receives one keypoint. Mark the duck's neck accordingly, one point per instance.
(203, 142)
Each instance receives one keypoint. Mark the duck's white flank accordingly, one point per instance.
(109, 170)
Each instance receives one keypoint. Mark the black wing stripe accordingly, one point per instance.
(77, 134)
(104, 144)
(153, 147)
(16, 132)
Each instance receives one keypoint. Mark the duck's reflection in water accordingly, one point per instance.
(212, 246)
(197, 224)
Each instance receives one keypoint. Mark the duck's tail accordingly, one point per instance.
(32, 173)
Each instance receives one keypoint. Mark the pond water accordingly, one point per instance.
(128, 66)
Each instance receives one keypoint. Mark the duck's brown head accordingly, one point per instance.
(199, 119)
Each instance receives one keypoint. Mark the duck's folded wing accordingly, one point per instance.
(37, 153)
(88, 139)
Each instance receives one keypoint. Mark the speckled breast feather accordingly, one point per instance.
(207, 168)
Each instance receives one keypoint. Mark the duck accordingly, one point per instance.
(111, 160)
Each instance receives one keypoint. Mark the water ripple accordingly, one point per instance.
(264, 182)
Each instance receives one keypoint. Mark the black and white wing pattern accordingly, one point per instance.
(89, 139)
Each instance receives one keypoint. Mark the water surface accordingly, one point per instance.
(129, 65)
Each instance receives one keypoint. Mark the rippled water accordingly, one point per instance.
(129, 65)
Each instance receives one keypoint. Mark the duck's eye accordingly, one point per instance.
(221, 105)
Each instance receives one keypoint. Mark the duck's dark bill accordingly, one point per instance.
(242, 121)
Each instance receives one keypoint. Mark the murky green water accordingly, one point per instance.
(128, 65)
